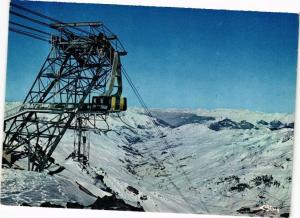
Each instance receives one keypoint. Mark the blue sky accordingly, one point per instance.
(182, 58)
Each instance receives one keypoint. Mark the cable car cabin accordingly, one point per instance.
(109, 104)
(105, 104)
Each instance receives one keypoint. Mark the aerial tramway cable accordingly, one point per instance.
(29, 18)
(46, 17)
(22, 32)
(151, 118)
(29, 28)
(34, 35)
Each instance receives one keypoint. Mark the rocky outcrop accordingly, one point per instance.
(276, 125)
(105, 203)
(259, 211)
(48, 204)
(246, 125)
(113, 203)
(133, 190)
(74, 205)
(229, 124)
(262, 122)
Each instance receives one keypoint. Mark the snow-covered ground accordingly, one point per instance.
(199, 161)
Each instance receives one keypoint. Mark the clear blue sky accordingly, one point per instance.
(182, 58)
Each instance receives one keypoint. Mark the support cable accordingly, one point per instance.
(46, 17)
(29, 28)
(152, 119)
(22, 32)
(30, 19)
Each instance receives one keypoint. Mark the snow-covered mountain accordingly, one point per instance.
(192, 161)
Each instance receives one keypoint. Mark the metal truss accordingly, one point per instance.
(78, 67)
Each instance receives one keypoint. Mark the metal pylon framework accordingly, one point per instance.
(81, 64)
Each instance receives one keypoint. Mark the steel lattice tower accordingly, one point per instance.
(80, 65)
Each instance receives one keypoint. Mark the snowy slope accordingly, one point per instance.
(35, 188)
(191, 168)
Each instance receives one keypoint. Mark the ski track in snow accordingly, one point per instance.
(217, 172)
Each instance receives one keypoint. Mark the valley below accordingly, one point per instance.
(228, 162)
